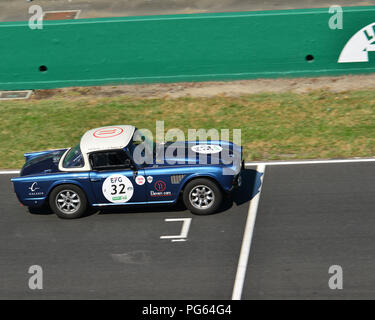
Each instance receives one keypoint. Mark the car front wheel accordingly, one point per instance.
(68, 201)
(202, 196)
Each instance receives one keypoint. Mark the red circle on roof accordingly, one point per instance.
(108, 132)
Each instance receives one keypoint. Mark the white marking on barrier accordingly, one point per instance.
(202, 17)
(181, 75)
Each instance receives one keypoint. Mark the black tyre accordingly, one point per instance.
(68, 201)
(202, 196)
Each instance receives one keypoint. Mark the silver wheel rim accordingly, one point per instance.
(201, 197)
(68, 201)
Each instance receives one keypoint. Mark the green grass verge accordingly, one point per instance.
(274, 126)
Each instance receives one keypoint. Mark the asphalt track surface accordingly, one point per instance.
(11, 10)
(310, 217)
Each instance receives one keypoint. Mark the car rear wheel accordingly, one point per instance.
(202, 196)
(68, 201)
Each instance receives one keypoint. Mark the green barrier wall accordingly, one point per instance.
(174, 48)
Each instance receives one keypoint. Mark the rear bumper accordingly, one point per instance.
(237, 179)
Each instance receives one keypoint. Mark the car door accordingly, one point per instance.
(114, 181)
(160, 186)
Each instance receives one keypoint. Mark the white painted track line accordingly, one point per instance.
(10, 172)
(272, 163)
(281, 163)
(247, 239)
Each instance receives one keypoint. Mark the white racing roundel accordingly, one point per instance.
(207, 148)
(117, 188)
(140, 180)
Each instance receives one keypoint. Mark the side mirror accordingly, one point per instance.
(128, 163)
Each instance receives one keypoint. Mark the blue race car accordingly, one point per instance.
(104, 169)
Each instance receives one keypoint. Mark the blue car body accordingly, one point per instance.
(161, 182)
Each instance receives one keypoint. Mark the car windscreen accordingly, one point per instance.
(74, 158)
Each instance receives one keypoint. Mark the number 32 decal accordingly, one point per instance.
(117, 188)
(114, 189)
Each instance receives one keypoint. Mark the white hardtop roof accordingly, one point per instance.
(106, 138)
